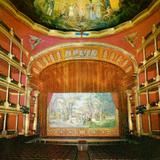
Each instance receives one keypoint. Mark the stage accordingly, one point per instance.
(78, 140)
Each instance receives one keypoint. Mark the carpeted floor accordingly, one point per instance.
(83, 155)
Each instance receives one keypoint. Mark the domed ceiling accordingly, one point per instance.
(80, 15)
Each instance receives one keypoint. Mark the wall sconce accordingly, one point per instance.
(130, 98)
(131, 132)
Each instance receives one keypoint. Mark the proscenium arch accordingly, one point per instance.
(49, 50)
(44, 89)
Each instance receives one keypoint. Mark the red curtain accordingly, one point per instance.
(43, 113)
(115, 98)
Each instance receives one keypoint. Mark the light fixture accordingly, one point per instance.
(132, 115)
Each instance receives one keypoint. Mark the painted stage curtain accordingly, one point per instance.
(44, 101)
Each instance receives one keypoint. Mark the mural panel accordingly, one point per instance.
(83, 15)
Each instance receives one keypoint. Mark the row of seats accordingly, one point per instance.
(124, 152)
(33, 151)
(135, 149)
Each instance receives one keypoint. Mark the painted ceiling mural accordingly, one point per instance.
(80, 15)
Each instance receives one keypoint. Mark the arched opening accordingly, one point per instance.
(89, 68)
(84, 76)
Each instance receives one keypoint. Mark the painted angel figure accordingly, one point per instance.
(50, 10)
(99, 9)
(71, 11)
(91, 10)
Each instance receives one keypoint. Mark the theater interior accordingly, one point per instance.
(79, 80)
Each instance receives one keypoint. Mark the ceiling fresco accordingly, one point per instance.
(80, 15)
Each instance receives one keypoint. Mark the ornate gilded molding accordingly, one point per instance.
(131, 38)
(87, 34)
(85, 50)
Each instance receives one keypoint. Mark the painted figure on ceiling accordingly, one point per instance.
(94, 9)
(71, 10)
(107, 3)
(50, 10)
(90, 14)
(114, 4)
(90, 11)
(99, 9)
(46, 6)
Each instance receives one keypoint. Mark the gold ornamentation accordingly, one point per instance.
(131, 38)
(86, 50)
(34, 41)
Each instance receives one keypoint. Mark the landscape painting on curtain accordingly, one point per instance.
(81, 110)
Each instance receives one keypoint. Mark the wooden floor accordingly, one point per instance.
(83, 155)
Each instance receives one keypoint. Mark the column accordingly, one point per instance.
(6, 103)
(155, 39)
(26, 124)
(36, 93)
(149, 124)
(138, 84)
(19, 78)
(159, 95)
(146, 78)
(10, 55)
(9, 73)
(23, 124)
(21, 54)
(139, 124)
(11, 43)
(147, 98)
(4, 132)
(26, 130)
(20, 72)
(144, 51)
(16, 127)
(28, 96)
(148, 114)
(157, 71)
(130, 124)
(138, 116)
(18, 99)
(144, 61)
